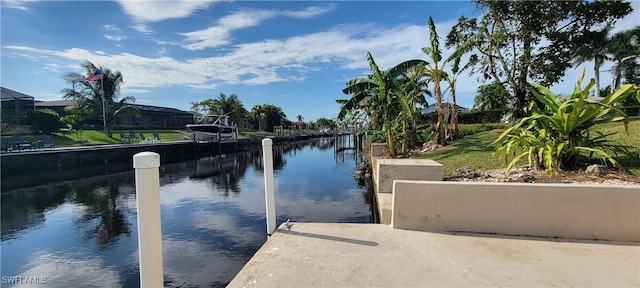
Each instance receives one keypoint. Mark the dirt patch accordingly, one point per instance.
(530, 175)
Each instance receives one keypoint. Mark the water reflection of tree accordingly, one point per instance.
(25, 208)
(323, 143)
(255, 157)
(102, 216)
(228, 180)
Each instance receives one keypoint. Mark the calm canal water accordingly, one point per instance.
(83, 233)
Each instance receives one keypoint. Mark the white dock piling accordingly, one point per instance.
(269, 193)
(146, 166)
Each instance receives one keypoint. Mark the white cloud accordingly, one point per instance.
(17, 4)
(115, 37)
(114, 33)
(111, 27)
(153, 11)
(310, 12)
(260, 62)
(277, 60)
(52, 67)
(220, 34)
(142, 28)
(136, 91)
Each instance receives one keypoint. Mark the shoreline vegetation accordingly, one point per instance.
(473, 149)
(476, 150)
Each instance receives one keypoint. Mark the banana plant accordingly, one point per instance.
(412, 94)
(553, 136)
(436, 73)
(380, 85)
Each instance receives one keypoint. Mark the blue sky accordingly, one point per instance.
(293, 54)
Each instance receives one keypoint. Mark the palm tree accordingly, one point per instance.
(300, 118)
(380, 86)
(595, 48)
(624, 47)
(89, 96)
(257, 114)
(223, 105)
(231, 106)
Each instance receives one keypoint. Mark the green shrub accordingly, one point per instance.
(487, 116)
(471, 129)
(45, 121)
(425, 134)
(553, 136)
(376, 136)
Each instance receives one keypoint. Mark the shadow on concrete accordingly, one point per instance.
(327, 237)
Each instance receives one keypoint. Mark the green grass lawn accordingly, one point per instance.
(475, 150)
(95, 137)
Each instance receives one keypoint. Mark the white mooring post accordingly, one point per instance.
(269, 194)
(147, 173)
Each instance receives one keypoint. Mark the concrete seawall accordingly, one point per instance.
(22, 169)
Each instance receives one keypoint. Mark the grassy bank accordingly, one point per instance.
(476, 151)
(95, 137)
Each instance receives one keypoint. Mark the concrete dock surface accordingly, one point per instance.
(375, 255)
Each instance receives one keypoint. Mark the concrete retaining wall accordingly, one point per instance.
(387, 170)
(406, 169)
(551, 210)
(377, 149)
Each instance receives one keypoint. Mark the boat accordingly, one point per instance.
(213, 128)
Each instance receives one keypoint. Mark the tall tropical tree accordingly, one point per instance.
(624, 48)
(98, 98)
(452, 79)
(300, 118)
(519, 41)
(257, 115)
(594, 48)
(223, 105)
(267, 116)
(491, 96)
(436, 72)
(379, 87)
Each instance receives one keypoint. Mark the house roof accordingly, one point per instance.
(158, 109)
(10, 95)
(142, 108)
(59, 103)
(445, 104)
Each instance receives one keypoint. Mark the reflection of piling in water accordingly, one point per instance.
(347, 142)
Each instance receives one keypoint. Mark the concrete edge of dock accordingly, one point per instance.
(375, 255)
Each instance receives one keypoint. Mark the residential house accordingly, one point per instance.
(14, 106)
(150, 116)
(445, 105)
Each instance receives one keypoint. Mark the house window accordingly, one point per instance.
(154, 118)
